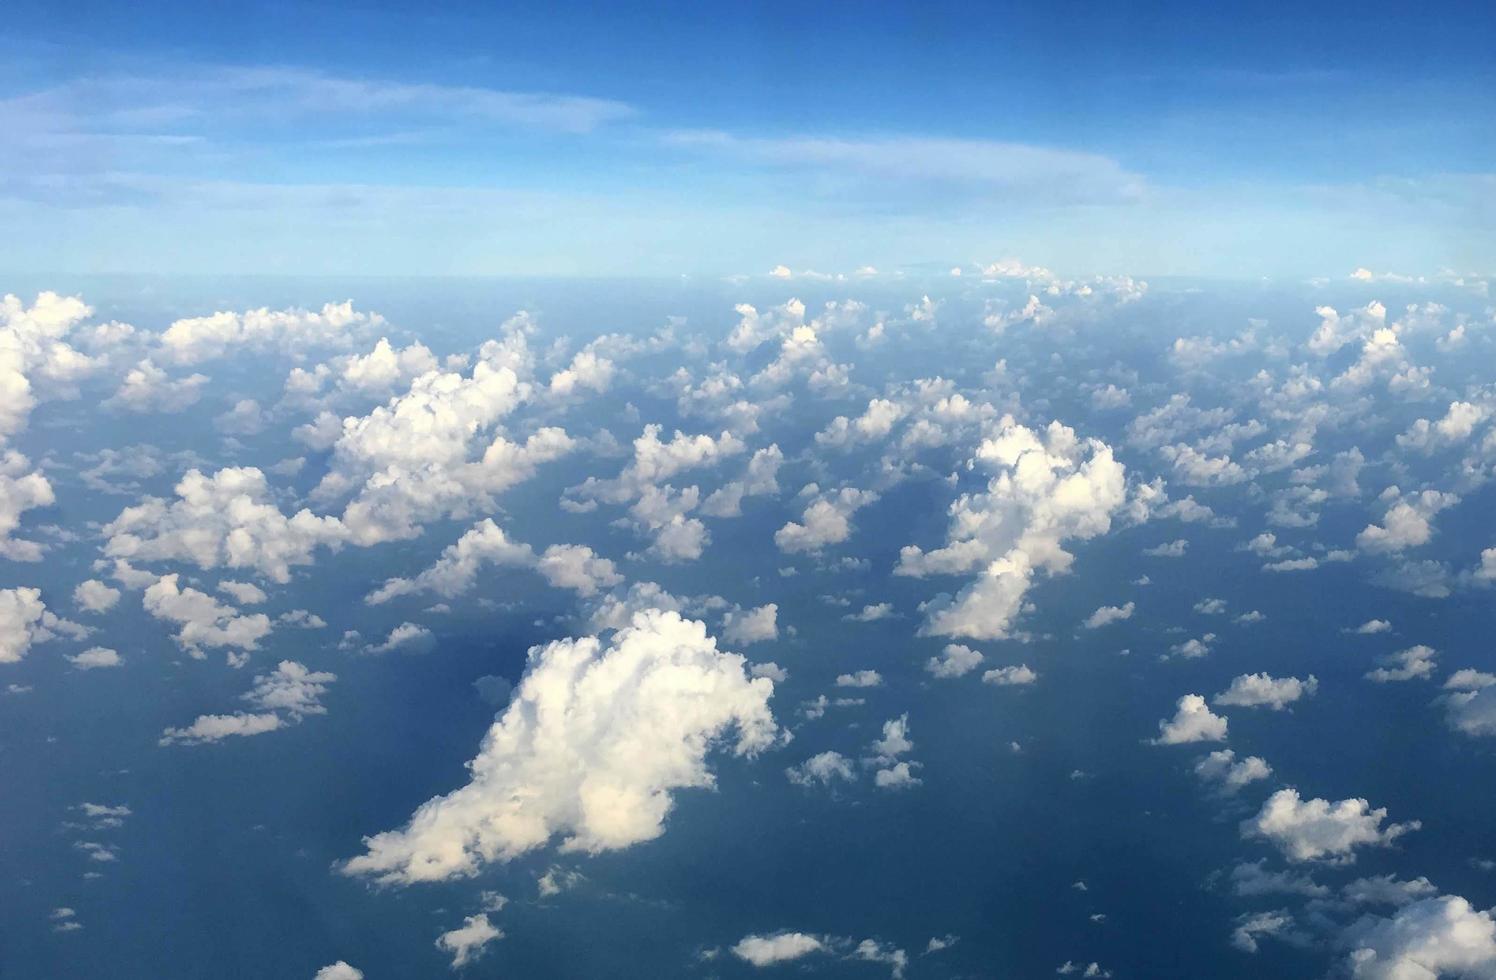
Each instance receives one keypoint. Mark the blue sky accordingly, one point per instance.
(701, 139)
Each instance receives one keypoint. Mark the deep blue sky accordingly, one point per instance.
(1212, 140)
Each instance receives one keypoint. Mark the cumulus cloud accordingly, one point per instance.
(25, 619)
(21, 489)
(203, 620)
(777, 948)
(95, 658)
(1225, 771)
(1192, 722)
(1407, 523)
(1428, 939)
(823, 768)
(956, 660)
(468, 941)
(1319, 830)
(592, 746)
(194, 340)
(742, 627)
(282, 697)
(1106, 615)
(826, 521)
(224, 520)
(1263, 690)
(1047, 486)
(339, 971)
(455, 572)
(1414, 663)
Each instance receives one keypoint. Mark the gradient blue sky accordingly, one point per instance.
(707, 139)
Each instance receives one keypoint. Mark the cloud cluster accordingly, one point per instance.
(593, 744)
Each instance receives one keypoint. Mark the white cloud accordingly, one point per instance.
(1047, 486)
(1262, 690)
(214, 728)
(204, 621)
(96, 657)
(1010, 676)
(468, 941)
(1407, 523)
(148, 388)
(742, 627)
(1192, 722)
(1105, 615)
(1318, 830)
(407, 636)
(956, 660)
(777, 948)
(1429, 939)
(194, 340)
(1223, 769)
(223, 520)
(281, 697)
(1414, 663)
(826, 521)
(339, 971)
(1169, 549)
(824, 768)
(21, 489)
(1372, 626)
(860, 678)
(592, 746)
(871, 613)
(25, 619)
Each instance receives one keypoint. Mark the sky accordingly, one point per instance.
(712, 140)
(845, 491)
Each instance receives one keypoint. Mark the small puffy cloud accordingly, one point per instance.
(1414, 663)
(224, 520)
(196, 339)
(215, 728)
(1407, 523)
(339, 971)
(823, 768)
(468, 941)
(96, 657)
(741, 627)
(1015, 676)
(1371, 627)
(860, 678)
(1106, 615)
(781, 947)
(1169, 549)
(826, 521)
(203, 620)
(1192, 722)
(956, 660)
(244, 593)
(25, 619)
(148, 388)
(94, 596)
(1222, 769)
(1253, 926)
(593, 744)
(871, 613)
(1457, 425)
(577, 567)
(892, 772)
(21, 489)
(1193, 648)
(1426, 940)
(456, 570)
(409, 637)
(1319, 830)
(1263, 690)
(1470, 707)
(282, 697)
